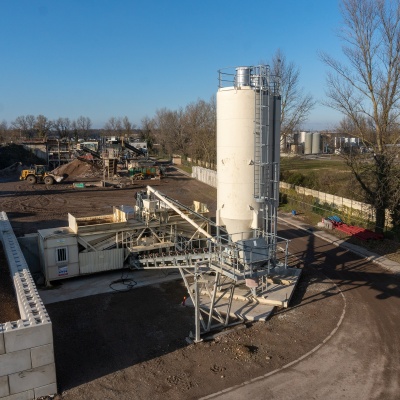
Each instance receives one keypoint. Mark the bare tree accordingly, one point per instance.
(30, 123)
(83, 125)
(127, 126)
(74, 131)
(42, 126)
(25, 125)
(20, 125)
(4, 131)
(62, 127)
(147, 131)
(295, 103)
(113, 127)
(201, 125)
(172, 131)
(365, 89)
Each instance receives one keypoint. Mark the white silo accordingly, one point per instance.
(308, 143)
(248, 138)
(316, 143)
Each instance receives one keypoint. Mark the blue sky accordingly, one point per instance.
(104, 58)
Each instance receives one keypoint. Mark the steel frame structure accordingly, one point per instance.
(211, 266)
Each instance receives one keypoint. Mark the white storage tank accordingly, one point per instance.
(316, 143)
(308, 143)
(238, 207)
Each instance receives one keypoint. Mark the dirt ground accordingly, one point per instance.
(132, 345)
(7, 296)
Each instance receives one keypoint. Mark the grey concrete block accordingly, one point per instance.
(42, 355)
(45, 390)
(4, 388)
(33, 378)
(28, 337)
(2, 347)
(27, 395)
(15, 362)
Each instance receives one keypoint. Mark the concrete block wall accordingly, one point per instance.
(209, 177)
(205, 175)
(27, 366)
(346, 206)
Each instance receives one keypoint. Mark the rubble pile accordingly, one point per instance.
(79, 170)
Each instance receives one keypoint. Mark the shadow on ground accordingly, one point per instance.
(97, 335)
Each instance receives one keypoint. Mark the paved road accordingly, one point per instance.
(361, 360)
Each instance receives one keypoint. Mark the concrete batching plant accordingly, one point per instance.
(232, 269)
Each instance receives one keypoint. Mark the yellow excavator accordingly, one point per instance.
(39, 174)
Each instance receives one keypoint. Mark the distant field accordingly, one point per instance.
(304, 164)
(330, 175)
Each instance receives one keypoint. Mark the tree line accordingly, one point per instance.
(40, 127)
(189, 131)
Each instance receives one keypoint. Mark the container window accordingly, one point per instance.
(61, 254)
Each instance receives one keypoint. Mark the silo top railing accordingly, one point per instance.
(258, 77)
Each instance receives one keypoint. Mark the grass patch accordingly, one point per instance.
(185, 166)
(326, 175)
(304, 164)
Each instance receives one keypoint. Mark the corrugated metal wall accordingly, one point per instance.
(97, 261)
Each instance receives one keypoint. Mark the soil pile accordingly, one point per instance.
(79, 170)
(11, 170)
(14, 153)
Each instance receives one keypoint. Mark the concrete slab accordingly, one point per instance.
(42, 355)
(47, 390)
(275, 294)
(251, 311)
(248, 311)
(15, 362)
(33, 378)
(101, 283)
(4, 388)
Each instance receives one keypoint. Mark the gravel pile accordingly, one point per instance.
(79, 170)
